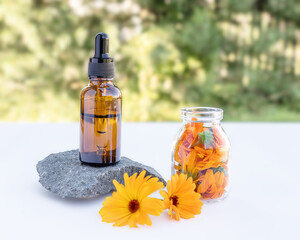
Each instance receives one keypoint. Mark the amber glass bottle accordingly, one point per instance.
(100, 120)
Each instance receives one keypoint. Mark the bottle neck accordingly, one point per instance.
(101, 82)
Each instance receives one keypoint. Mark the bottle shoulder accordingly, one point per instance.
(101, 91)
(115, 90)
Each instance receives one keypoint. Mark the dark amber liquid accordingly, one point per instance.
(105, 131)
(100, 123)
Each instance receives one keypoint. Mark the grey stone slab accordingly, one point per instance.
(63, 174)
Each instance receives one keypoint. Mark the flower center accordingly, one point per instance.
(133, 206)
(175, 200)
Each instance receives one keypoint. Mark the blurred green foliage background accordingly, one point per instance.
(242, 56)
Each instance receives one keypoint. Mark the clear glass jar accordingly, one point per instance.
(201, 151)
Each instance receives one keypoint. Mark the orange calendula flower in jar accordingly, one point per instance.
(131, 204)
(208, 158)
(202, 147)
(180, 198)
(212, 184)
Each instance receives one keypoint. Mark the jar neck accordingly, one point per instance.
(204, 121)
(206, 115)
(101, 82)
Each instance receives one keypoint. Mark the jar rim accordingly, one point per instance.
(202, 113)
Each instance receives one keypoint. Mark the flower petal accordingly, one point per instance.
(152, 206)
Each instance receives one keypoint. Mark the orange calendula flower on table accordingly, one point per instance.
(180, 198)
(131, 204)
(212, 184)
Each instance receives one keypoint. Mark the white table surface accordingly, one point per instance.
(264, 202)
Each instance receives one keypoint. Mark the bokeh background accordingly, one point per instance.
(240, 55)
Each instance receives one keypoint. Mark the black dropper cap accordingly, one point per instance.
(101, 65)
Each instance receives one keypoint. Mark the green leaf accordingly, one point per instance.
(219, 169)
(205, 137)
